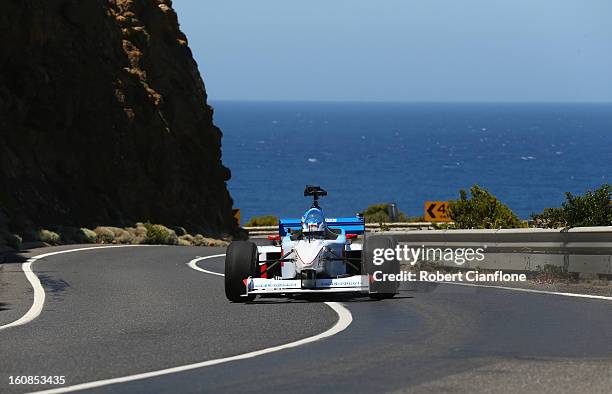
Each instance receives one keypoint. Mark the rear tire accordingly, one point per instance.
(380, 290)
(240, 263)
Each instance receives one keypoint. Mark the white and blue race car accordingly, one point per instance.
(313, 254)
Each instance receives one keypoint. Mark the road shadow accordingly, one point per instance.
(53, 285)
(14, 257)
(50, 283)
(320, 298)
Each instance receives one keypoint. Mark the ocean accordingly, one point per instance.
(528, 155)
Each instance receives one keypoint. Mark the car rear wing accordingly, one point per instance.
(350, 225)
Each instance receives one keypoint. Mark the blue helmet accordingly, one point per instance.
(313, 221)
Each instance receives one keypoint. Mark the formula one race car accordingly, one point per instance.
(313, 254)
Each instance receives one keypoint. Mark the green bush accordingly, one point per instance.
(49, 237)
(378, 213)
(262, 221)
(86, 236)
(160, 235)
(104, 235)
(591, 209)
(481, 210)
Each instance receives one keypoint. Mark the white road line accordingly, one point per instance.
(39, 292)
(194, 264)
(557, 293)
(344, 320)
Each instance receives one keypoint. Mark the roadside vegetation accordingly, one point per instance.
(139, 234)
(481, 210)
(379, 213)
(257, 221)
(594, 208)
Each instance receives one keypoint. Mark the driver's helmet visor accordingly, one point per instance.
(313, 222)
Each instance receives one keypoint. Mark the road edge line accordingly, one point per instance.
(533, 291)
(38, 301)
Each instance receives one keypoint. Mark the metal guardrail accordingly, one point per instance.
(584, 250)
(370, 227)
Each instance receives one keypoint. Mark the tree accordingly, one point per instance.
(481, 210)
(262, 221)
(379, 213)
(591, 209)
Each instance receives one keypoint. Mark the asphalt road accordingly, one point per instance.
(115, 312)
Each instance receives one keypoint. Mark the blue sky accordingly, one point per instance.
(402, 50)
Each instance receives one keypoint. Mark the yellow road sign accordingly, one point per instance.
(236, 213)
(436, 211)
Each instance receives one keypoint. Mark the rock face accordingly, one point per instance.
(104, 120)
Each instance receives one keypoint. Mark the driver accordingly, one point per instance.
(313, 224)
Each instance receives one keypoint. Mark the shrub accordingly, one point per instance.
(376, 213)
(49, 237)
(549, 218)
(591, 209)
(138, 233)
(160, 235)
(104, 235)
(185, 240)
(481, 210)
(124, 237)
(12, 240)
(379, 213)
(218, 243)
(140, 229)
(120, 235)
(200, 240)
(86, 236)
(262, 221)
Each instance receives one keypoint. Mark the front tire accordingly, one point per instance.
(240, 263)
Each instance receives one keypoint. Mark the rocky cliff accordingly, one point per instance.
(104, 120)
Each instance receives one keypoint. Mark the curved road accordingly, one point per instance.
(122, 311)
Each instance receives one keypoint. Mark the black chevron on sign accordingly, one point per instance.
(430, 210)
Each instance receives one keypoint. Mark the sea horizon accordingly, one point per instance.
(527, 154)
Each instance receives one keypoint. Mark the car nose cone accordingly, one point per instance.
(307, 252)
